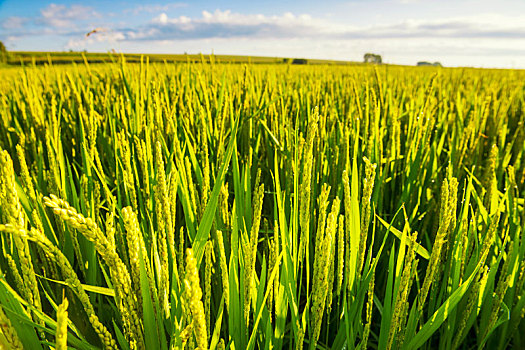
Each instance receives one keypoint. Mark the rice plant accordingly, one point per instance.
(225, 206)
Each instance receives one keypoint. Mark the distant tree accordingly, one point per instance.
(3, 53)
(286, 60)
(299, 61)
(373, 58)
(425, 63)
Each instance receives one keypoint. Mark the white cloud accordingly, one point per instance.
(66, 20)
(14, 22)
(227, 24)
(152, 8)
(488, 26)
(64, 17)
(162, 19)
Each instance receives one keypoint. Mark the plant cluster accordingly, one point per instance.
(218, 206)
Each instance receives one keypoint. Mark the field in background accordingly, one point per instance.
(243, 206)
(28, 58)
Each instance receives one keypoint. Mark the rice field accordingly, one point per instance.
(228, 206)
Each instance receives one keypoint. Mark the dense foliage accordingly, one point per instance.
(3, 53)
(273, 206)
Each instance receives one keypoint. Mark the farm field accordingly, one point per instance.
(39, 58)
(261, 206)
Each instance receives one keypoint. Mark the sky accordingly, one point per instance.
(472, 33)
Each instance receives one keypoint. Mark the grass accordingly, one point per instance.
(227, 206)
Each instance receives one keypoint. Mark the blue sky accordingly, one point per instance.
(457, 33)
